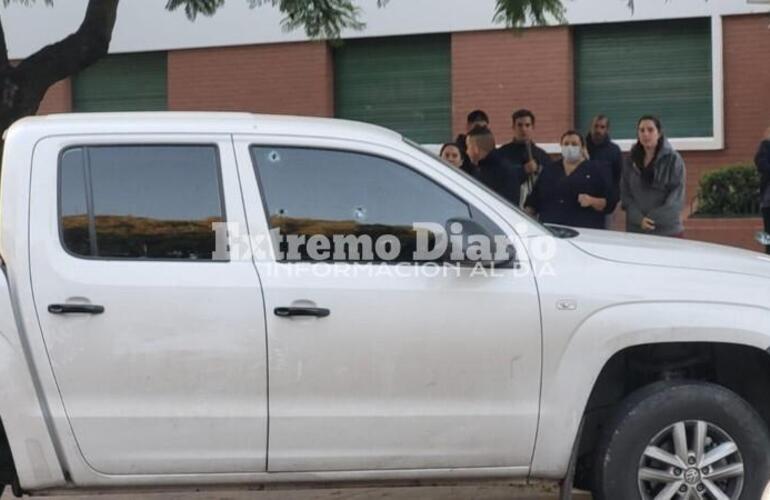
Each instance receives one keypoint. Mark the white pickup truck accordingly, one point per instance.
(177, 310)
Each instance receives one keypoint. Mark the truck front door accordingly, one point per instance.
(403, 366)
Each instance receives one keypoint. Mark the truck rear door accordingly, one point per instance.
(156, 338)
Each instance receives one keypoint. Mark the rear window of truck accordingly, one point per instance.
(140, 201)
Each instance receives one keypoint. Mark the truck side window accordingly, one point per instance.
(310, 192)
(73, 202)
(140, 201)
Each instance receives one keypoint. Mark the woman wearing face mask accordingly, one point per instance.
(573, 191)
(450, 153)
(653, 183)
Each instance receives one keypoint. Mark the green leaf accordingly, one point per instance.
(732, 190)
(539, 12)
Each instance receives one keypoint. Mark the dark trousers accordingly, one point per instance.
(766, 216)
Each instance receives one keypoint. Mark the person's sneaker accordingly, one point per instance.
(763, 238)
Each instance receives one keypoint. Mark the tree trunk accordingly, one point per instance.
(23, 86)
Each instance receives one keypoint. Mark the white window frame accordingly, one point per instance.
(717, 141)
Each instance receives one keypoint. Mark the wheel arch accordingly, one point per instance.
(571, 371)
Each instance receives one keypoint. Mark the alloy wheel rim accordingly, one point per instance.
(691, 460)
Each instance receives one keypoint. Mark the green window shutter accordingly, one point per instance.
(403, 83)
(123, 82)
(663, 68)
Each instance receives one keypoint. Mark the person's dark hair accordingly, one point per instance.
(477, 115)
(449, 145)
(637, 151)
(523, 113)
(573, 132)
(601, 117)
(483, 137)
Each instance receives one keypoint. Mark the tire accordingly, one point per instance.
(652, 419)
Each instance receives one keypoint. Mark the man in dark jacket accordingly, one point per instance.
(762, 161)
(494, 171)
(522, 151)
(601, 149)
(476, 118)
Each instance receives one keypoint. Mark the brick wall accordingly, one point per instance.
(747, 116)
(747, 96)
(500, 71)
(58, 99)
(291, 78)
(733, 232)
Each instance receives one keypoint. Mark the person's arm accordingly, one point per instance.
(762, 160)
(611, 194)
(542, 158)
(670, 211)
(594, 202)
(608, 199)
(513, 185)
(628, 202)
(616, 166)
(532, 203)
(505, 153)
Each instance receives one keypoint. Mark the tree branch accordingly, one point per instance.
(23, 87)
(4, 63)
(76, 52)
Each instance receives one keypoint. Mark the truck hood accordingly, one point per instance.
(671, 252)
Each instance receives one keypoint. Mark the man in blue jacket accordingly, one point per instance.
(762, 161)
(601, 149)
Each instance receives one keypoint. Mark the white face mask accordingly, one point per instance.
(572, 153)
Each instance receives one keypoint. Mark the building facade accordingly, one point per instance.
(420, 66)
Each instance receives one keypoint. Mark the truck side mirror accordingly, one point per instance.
(471, 244)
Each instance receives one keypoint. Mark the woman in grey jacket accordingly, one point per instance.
(653, 183)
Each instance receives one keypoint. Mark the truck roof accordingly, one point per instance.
(200, 122)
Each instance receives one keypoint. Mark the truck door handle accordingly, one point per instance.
(288, 312)
(75, 309)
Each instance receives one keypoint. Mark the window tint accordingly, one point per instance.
(154, 202)
(310, 192)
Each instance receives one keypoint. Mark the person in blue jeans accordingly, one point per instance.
(762, 161)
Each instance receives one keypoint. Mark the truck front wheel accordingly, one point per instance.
(682, 441)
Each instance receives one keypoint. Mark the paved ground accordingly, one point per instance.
(486, 491)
